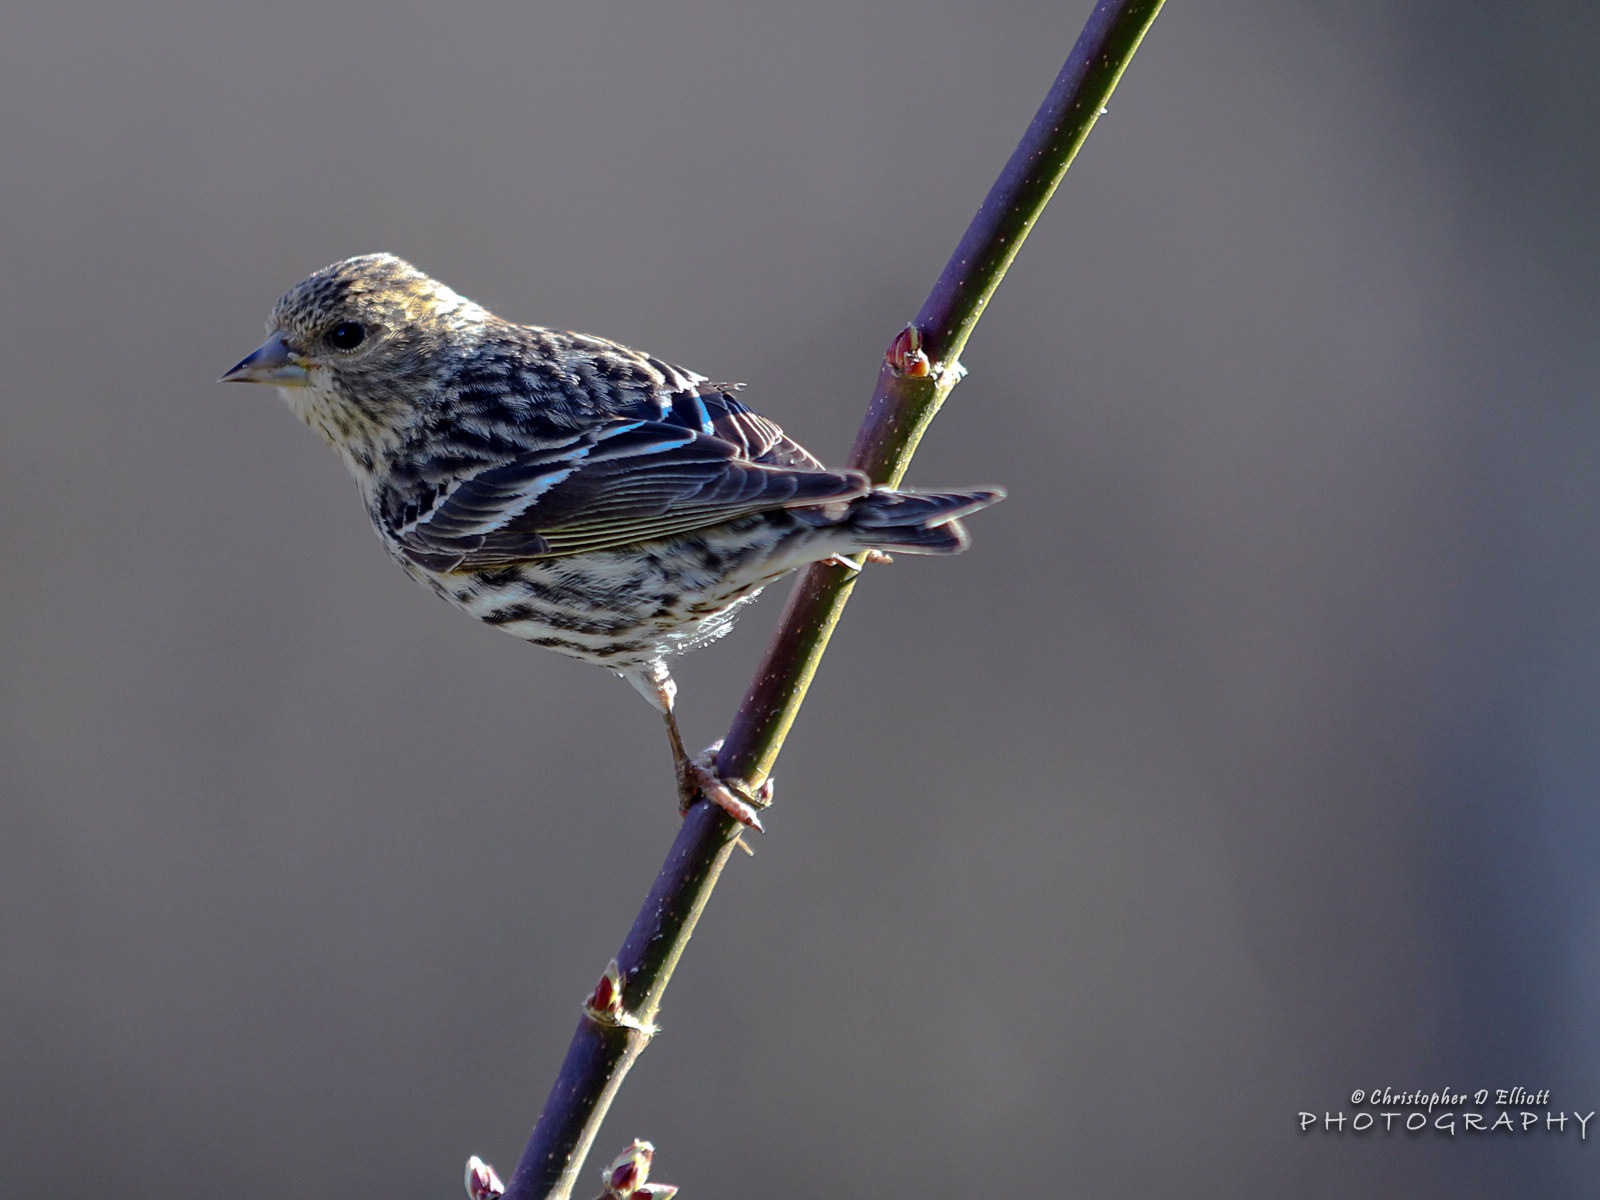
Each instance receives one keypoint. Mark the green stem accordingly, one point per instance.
(902, 406)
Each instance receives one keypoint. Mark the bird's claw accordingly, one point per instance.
(699, 778)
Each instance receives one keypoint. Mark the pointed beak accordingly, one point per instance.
(273, 362)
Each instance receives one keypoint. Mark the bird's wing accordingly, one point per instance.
(613, 485)
(711, 408)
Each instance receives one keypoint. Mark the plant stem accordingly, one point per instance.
(902, 406)
(601, 1054)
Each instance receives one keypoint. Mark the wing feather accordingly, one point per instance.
(711, 408)
(623, 482)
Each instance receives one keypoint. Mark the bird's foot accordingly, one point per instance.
(698, 777)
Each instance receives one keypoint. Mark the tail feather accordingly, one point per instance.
(917, 522)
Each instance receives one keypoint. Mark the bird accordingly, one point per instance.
(573, 492)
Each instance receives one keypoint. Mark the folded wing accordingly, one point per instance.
(617, 484)
(711, 408)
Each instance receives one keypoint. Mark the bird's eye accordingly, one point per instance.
(346, 335)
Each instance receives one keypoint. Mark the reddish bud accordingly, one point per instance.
(629, 1170)
(605, 1002)
(482, 1182)
(905, 355)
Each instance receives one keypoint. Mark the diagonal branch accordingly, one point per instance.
(905, 402)
(917, 375)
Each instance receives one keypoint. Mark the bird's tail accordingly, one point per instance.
(916, 522)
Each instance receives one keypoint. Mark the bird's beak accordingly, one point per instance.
(273, 362)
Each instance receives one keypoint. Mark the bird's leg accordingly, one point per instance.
(697, 777)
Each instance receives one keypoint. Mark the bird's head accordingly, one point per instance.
(359, 349)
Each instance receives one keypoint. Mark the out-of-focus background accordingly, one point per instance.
(1249, 758)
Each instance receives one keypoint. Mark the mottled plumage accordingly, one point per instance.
(573, 492)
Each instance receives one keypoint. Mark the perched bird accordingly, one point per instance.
(573, 492)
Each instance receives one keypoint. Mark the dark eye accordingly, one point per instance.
(346, 335)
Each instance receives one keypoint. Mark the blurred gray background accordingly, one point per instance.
(1249, 757)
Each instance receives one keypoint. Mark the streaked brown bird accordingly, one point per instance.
(573, 492)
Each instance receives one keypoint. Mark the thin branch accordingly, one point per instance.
(617, 1025)
(904, 403)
